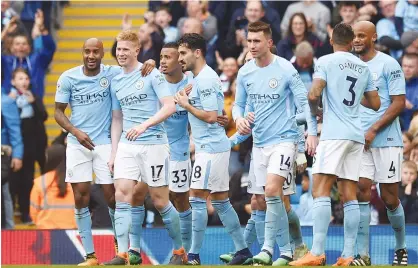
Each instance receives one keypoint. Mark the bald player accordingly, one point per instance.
(86, 89)
(382, 158)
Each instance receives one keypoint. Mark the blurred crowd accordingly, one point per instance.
(301, 31)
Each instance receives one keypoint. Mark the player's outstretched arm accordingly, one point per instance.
(167, 109)
(115, 133)
(65, 123)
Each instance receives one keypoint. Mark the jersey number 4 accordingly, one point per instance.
(351, 90)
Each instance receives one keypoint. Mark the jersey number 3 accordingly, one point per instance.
(351, 90)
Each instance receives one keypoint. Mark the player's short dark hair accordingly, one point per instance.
(164, 8)
(193, 41)
(343, 34)
(260, 26)
(171, 45)
(273, 50)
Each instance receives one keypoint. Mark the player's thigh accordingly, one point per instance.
(389, 162)
(329, 157)
(367, 166)
(260, 162)
(179, 177)
(350, 169)
(252, 187)
(101, 156)
(289, 185)
(126, 163)
(79, 162)
(210, 172)
(281, 159)
(155, 164)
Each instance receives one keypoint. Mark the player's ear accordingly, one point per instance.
(331, 41)
(270, 43)
(374, 37)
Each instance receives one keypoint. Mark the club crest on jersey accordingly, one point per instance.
(104, 82)
(374, 76)
(273, 83)
(139, 84)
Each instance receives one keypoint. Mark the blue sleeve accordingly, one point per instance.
(38, 44)
(47, 52)
(207, 95)
(240, 99)
(238, 138)
(299, 91)
(300, 118)
(395, 79)
(12, 123)
(159, 85)
(320, 70)
(370, 82)
(63, 93)
(114, 99)
(383, 28)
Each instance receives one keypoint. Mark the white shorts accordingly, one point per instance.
(276, 159)
(252, 187)
(338, 157)
(210, 172)
(179, 178)
(289, 186)
(148, 163)
(383, 165)
(81, 163)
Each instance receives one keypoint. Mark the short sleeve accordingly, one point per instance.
(395, 79)
(370, 82)
(159, 84)
(320, 70)
(114, 99)
(207, 95)
(63, 93)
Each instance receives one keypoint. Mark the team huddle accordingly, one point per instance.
(130, 127)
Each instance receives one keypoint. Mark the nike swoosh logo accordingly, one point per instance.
(155, 180)
(391, 176)
(181, 185)
(285, 188)
(194, 181)
(282, 169)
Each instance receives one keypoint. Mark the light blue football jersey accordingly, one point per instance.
(207, 95)
(139, 99)
(347, 79)
(177, 127)
(273, 91)
(90, 101)
(389, 81)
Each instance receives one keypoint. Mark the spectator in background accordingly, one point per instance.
(8, 12)
(406, 15)
(409, 41)
(303, 61)
(298, 31)
(199, 10)
(10, 136)
(413, 127)
(414, 150)
(387, 35)
(36, 63)
(229, 68)
(408, 191)
(177, 9)
(51, 198)
(32, 116)
(326, 47)
(317, 17)
(369, 11)
(410, 69)
(348, 12)
(304, 210)
(163, 19)
(407, 144)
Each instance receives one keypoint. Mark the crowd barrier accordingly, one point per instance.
(64, 246)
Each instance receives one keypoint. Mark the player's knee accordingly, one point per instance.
(254, 204)
(181, 201)
(391, 202)
(81, 199)
(363, 192)
(138, 200)
(272, 190)
(123, 194)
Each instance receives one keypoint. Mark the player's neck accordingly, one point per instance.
(88, 72)
(175, 77)
(198, 67)
(338, 48)
(264, 60)
(129, 69)
(369, 55)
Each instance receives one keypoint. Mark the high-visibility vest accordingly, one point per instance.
(47, 209)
